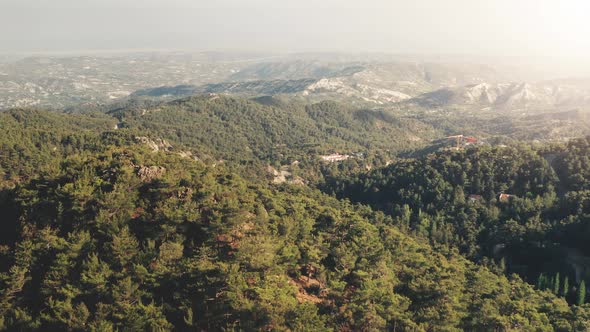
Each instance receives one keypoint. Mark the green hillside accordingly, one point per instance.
(108, 235)
(519, 208)
(270, 129)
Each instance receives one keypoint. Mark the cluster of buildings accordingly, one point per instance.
(334, 157)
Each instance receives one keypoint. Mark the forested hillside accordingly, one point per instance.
(102, 233)
(268, 128)
(523, 210)
(33, 142)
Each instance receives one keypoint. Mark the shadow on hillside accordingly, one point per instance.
(8, 224)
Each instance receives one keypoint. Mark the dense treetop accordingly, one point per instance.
(524, 207)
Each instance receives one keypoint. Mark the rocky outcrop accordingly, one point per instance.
(284, 175)
(149, 173)
(156, 145)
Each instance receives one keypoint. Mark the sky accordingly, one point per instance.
(548, 28)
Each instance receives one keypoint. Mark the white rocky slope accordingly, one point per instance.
(508, 95)
(341, 86)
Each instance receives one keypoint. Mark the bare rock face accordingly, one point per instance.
(284, 175)
(148, 173)
(156, 145)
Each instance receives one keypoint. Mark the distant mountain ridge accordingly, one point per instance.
(373, 83)
(259, 87)
(368, 81)
(501, 96)
(507, 96)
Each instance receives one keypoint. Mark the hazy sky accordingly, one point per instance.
(480, 27)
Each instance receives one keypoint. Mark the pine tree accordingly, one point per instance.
(95, 274)
(124, 247)
(459, 196)
(581, 298)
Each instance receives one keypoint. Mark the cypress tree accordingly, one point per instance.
(566, 287)
(433, 230)
(556, 284)
(406, 216)
(541, 281)
(581, 298)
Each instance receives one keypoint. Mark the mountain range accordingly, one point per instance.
(374, 81)
(426, 85)
(510, 96)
